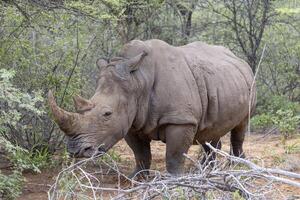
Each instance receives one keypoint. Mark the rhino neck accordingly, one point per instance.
(144, 81)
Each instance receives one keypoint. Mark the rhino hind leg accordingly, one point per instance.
(210, 156)
(142, 154)
(237, 139)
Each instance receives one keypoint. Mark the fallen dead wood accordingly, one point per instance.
(220, 179)
(269, 171)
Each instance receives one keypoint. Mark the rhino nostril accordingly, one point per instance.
(87, 151)
(87, 148)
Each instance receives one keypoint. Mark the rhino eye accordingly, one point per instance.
(107, 113)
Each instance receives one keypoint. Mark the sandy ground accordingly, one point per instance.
(268, 150)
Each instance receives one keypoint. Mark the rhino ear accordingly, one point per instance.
(82, 105)
(133, 63)
(101, 63)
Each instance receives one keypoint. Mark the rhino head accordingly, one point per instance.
(103, 120)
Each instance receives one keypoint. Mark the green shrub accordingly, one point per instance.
(14, 104)
(286, 121)
(262, 121)
(279, 112)
(11, 185)
(34, 160)
(16, 109)
(278, 102)
(23, 159)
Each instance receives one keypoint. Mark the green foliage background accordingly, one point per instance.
(54, 45)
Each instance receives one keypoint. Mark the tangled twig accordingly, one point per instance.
(218, 179)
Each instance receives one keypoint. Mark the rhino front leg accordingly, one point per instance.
(179, 138)
(142, 153)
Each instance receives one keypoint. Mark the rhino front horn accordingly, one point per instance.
(65, 120)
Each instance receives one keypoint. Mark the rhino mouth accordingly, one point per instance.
(78, 148)
(87, 152)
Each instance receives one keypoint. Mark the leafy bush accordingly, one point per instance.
(14, 105)
(262, 121)
(22, 159)
(11, 185)
(278, 102)
(286, 121)
(278, 112)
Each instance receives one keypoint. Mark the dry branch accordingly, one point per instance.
(219, 179)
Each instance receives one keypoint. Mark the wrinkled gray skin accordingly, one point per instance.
(154, 91)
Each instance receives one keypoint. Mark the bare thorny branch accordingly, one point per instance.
(218, 179)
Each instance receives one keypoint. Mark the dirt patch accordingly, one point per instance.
(265, 151)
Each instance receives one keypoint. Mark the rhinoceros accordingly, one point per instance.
(183, 95)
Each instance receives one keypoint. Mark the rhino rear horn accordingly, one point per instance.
(82, 105)
(133, 63)
(65, 120)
